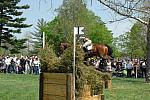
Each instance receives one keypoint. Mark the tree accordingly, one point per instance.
(135, 9)
(37, 35)
(18, 44)
(75, 13)
(119, 44)
(136, 43)
(10, 20)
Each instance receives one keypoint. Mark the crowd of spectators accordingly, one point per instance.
(122, 68)
(20, 65)
(129, 68)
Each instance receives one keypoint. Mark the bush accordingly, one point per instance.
(48, 58)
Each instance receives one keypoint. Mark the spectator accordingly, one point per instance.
(36, 63)
(143, 68)
(108, 67)
(129, 68)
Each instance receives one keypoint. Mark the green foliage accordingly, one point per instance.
(136, 44)
(10, 20)
(37, 35)
(133, 43)
(54, 34)
(66, 61)
(51, 63)
(74, 13)
(17, 45)
(48, 58)
(119, 46)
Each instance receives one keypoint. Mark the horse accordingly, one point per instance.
(102, 51)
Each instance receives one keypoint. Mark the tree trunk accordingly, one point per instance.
(148, 54)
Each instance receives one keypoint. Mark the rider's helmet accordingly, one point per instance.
(86, 39)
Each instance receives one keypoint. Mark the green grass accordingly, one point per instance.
(128, 89)
(26, 87)
(19, 87)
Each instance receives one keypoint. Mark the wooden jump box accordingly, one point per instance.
(56, 86)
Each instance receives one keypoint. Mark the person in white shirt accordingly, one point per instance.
(36, 64)
(108, 67)
(129, 67)
(8, 62)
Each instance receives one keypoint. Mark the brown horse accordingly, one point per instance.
(99, 50)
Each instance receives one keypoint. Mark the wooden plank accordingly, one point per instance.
(68, 87)
(41, 87)
(54, 89)
(55, 78)
(60, 76)
(54, 81)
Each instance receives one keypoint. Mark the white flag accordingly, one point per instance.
(78, 30)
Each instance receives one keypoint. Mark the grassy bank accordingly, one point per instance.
(19, 87)
(128, 89)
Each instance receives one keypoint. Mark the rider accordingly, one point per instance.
(87, 46)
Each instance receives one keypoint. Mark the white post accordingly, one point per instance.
(74, 60)
(77, 31)
(43, 40)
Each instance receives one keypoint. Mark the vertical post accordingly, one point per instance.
(136, 71)
(43, 40)
(74, 62)
(41, 87)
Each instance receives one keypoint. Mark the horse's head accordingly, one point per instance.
(63, 46)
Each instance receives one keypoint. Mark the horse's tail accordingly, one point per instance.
(110, 51)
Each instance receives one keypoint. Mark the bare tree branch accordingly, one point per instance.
(113, 21)
(125, 9)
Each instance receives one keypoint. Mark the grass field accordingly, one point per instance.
(26, 87)
(19, 87)
(128, 89)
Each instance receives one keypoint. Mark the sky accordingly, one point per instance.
(46, 9)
